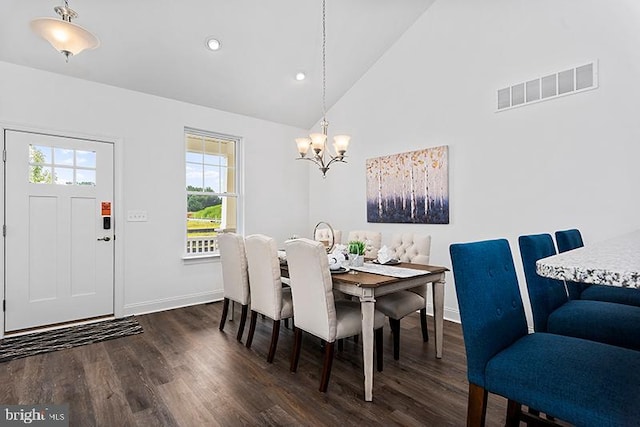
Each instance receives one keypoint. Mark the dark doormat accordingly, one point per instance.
(73, 336)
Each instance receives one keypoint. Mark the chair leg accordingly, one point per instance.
(225, 311)
(536, 413)
(477, 406)
(295, 352)
(378, 339)
(252, 327)
(243, 320)
(286, 323)
(274, 341)
(395, 330)
(340, 344)
(532, 417)
(326, 366)
(514, 412)
(423, 324)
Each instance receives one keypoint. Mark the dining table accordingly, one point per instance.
(373, 280)
(612, 262)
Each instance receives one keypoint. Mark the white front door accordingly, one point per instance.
(59, 250)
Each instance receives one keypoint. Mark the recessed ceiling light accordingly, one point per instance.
(213, 44)
(300, 76)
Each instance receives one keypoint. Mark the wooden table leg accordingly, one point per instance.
(367, 304)
(438, 313)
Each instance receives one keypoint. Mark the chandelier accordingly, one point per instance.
(317, 142)
(67, 38)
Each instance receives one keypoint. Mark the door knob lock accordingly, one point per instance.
(105, 238)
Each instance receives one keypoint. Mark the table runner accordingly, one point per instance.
(387, 270)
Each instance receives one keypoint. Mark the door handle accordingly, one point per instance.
(105, 238)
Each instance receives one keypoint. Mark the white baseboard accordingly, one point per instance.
(171, 303)
(449, 313)
(452, 315)
(194, 299)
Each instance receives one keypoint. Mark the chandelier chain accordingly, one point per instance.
(324, 64)
(317, 142)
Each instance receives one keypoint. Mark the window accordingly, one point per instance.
(212, 195)
(61, 166)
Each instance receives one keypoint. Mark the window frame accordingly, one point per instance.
(237, 194)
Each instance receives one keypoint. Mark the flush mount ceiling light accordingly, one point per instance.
(67, 38)
(317, 142)
(213, 44)
(300, 76)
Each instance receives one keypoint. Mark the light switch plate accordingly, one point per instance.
(137, 216)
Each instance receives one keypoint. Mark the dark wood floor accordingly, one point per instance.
(182, 371)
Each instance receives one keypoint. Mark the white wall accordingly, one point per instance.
(567, 162)
(150, 130)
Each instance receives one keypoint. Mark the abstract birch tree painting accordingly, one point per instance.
(409, 187)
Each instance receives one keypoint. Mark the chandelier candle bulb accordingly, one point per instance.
(341, 143)
(303, 146)
(317, 141)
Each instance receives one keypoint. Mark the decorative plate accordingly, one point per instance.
(390, 262)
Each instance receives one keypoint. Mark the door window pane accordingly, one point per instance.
(39, 154)
(63, 176)
(40, 174)
(62, 156)
(86, 159)
(85, 177)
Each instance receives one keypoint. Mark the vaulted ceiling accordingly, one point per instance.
(158, 47)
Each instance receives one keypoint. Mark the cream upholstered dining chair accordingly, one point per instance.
(316, 310)
(372, 240)
(235, 277)
(324, 234)
(415, 249)
(267, 295)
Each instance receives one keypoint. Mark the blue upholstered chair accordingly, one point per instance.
(572, 239)
(585, 383)
(567, 240)
(553, 312)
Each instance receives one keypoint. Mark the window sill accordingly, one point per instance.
(199, 259)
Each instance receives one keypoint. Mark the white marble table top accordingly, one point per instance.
(614, 262)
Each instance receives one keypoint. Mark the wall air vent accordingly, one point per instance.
(566, 82)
